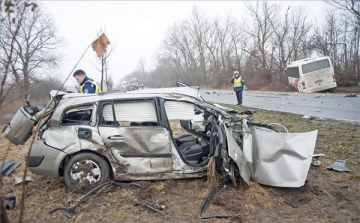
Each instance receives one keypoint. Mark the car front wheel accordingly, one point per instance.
(85, 171)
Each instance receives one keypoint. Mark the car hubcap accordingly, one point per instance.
(86, 171)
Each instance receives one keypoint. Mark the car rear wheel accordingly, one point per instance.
(85, 171)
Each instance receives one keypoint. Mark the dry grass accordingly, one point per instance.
(321, 199)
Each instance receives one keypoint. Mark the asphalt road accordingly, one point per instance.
(320, 105)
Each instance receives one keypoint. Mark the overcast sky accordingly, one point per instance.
(136, 27)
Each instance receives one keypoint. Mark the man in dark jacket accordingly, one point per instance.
(87, 85)
(239, 85)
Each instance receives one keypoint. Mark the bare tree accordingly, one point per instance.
(11, 12)
(198, 29)
(352, 6)
(238, 38)
(289, 34)
(178, 48)
(142, 66)
(264, 14)
(34, 47)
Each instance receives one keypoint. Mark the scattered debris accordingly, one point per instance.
(8, 167)
(70, 211)
(155, 207)
(339, 165)
(208, 199)
(307, 117)
(350, 95)
(10, 202)
(344, 188)
(316, 163)
(318, 155)
(19, 180)
(353, 153)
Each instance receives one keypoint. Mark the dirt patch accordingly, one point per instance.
(353, 89)
(327, 196)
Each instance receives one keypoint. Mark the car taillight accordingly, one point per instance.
(303, 85)
(334, 78)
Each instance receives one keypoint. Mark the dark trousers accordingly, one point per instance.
(238, 97)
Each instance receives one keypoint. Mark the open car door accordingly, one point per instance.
(229, 159)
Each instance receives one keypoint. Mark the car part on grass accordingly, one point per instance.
(208, 199)
(155, 207)
(339, 165)
(318, 155)
(353, 153)
(9, 202)
(308, 117)
(278, 159)
(19, 180)
(70, 211)
(316, 163)
(8, 167)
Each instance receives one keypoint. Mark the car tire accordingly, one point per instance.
(85, 171)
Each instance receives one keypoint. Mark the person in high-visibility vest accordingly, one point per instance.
(239, 85)
(87, 85)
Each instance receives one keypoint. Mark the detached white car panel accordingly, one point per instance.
(278, 159)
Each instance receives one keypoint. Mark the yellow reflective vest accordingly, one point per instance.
(238, 81)
(93, 83)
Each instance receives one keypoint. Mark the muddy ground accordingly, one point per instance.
(327, 196)
(353, 90)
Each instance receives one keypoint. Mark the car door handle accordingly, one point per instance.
(116, 137)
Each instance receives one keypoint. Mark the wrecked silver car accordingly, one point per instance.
(166, 133)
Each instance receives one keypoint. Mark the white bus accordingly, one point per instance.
(311, 74)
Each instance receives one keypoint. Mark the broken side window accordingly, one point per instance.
(81, 115)
(130, 113)
(188, 129)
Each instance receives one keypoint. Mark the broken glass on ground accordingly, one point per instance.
(8, 167)
(19, 180)
(339, 165)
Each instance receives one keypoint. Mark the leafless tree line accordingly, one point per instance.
(199, 50)
(28, 48)
(339, 38)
